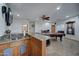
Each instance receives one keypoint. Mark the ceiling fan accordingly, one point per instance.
(44, 17)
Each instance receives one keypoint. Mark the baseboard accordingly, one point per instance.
(71, 39)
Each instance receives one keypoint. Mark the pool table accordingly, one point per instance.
(55, 35)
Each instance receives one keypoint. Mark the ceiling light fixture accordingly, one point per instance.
(10, 13)
(25, 25)
(46, 23)
(67, 16)
(58, 8)
(18, 15)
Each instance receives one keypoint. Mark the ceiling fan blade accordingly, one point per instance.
(44, 17)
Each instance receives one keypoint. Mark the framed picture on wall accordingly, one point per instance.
(70, 28)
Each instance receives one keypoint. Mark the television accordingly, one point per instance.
(8, 17)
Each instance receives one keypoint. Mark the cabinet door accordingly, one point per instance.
(16, 51)
(7, 52)
(23, 49)
(3, 47)
(35, 47)
(28, 50)
(36, 51)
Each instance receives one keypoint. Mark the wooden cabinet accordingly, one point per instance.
(27, 53)
(36, 47)
(35, 50)
(16, 51)
(3, 47)
(15, 46)
(28, 49)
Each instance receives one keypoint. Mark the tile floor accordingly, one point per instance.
(67, 47)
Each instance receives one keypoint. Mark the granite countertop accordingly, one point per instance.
(40, 36)
(9, 41)
(13, 38)
(18, 37)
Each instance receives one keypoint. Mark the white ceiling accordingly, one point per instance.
(33, 11)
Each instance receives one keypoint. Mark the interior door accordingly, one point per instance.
(24, 27)
(53, 28)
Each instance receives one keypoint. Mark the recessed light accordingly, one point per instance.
(24, 25)
(58, 8)
(18, 15)
(10, 13)
(46, 23)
